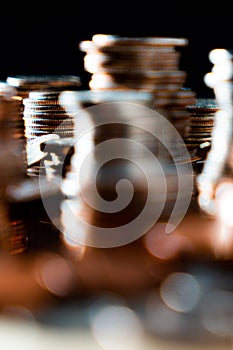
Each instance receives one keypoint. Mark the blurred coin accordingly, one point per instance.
(35, 82)
(103, 39)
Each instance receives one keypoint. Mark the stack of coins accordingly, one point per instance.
(24, 84)
(44, 119)
(146, 63)
(198, 140)
(202, 118)
(24, 219)
(12, 171)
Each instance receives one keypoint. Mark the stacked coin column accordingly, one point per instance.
(147, 63)
(198, 140)
(13, 234)
(45, 119)
(24, 84)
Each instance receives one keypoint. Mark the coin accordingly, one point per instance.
(35, 82)
(103, 39)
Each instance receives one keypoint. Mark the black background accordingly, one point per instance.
(39, 39)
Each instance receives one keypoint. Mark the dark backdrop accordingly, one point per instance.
(37, 41)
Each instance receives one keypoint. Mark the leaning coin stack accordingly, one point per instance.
(44, 119)
(146, 63)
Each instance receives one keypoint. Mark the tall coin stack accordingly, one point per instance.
(198, 140)
(23, 85)
(146, 63)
